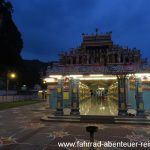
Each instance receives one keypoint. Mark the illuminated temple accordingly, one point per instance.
(99, 78)
(100, 50)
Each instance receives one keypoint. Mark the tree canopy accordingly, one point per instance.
(11, 42)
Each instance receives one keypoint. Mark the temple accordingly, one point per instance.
(101, 72)
(100, 50)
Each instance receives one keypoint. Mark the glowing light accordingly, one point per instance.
(44, 82)
(105, 78)
(12, 75)
(142, 74)
(40, 91)
(76, 76)
(101, 88)
(56, 76)
(102, 108)
(50, 80)
(96, 75)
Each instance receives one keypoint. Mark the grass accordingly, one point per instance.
(6, 105)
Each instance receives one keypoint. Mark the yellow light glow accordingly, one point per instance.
(96, 75)
(48, 80)
(101, 88)
(76, 76)
(12, 75)
(53, 78)
(40, 91)
(142, 74)
(56, 76)
(44, 82)
(105, 78)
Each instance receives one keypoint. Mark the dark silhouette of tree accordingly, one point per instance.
(11, 42)
(33, 71)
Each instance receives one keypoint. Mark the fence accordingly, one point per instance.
(12, 98)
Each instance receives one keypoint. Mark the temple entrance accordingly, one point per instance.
(98, 97)
(96, 94)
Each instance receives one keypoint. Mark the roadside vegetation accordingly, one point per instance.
(6, 105)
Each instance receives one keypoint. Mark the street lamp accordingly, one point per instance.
(10, 75)
(44, 89)
(44, 82)
(13, 75)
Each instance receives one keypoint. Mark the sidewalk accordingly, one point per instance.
(22, 129)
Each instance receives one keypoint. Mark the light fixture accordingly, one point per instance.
(96, 75)
(105, 78)
(12, 75)
(56, 76)
(50, 80)
(75, 76)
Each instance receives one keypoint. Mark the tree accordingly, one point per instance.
(32, 73)
(11, 42)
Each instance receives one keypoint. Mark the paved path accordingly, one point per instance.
(22, 129)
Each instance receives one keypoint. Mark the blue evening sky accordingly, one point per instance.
(51, 26)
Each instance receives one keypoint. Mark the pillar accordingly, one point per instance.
(113, 58)
(99, 61)
(71, 60)
(74, 97)
(77, 59)
(119, 58)
(87, 59)
(139, 97)
(122, 97)
(108, 58)
(127, 93)
(48, 102)
(59, 107)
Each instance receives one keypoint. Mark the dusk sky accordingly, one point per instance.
(51, 26)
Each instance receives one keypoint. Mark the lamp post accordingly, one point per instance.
(44, 89)
(11, 75)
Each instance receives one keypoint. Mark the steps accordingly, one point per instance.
(132, 120)
(98, 119)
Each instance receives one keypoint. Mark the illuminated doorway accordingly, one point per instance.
(98, 96)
